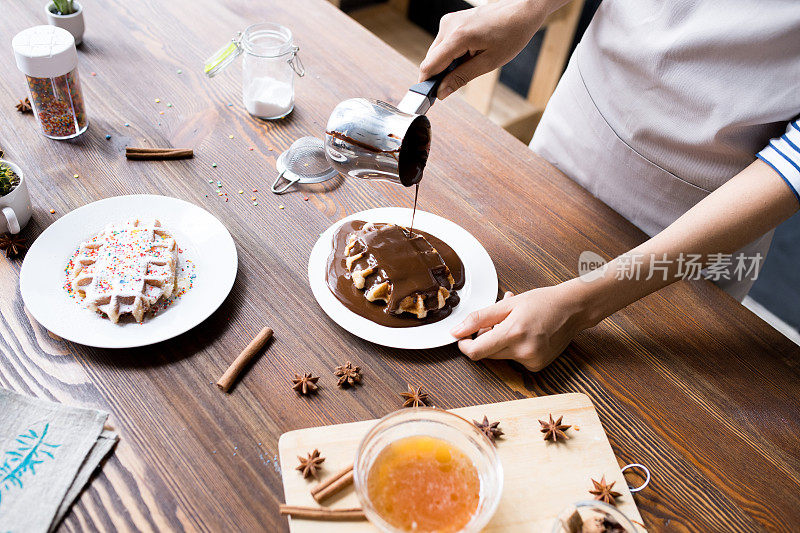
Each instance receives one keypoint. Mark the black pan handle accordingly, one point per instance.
(430, 87)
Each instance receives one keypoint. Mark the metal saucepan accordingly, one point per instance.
(371, 139)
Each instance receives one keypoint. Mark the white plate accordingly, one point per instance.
(480, 285)
(201, 237)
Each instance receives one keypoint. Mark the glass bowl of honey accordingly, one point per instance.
(424, 470)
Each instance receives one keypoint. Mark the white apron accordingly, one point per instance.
(575, 138)
(670, 93)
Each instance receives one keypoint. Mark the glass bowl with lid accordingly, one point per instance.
(430, 426)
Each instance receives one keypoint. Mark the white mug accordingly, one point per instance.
(15, 207)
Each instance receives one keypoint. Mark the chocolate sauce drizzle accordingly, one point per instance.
(407, 261)
(414, 212)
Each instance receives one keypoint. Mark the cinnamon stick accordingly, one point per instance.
(146, 150)
(158, 154)
(227, 379)
(322, 513)
(149, 150)
(333, 485)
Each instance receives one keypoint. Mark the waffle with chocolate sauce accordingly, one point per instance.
(393, 265)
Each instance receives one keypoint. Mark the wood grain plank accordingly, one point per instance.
(686, 381)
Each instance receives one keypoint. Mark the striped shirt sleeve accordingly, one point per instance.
(783, 155)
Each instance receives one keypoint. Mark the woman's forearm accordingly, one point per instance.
(549, 5)
(750, 204)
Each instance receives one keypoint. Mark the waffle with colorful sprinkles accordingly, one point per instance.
(126, 269)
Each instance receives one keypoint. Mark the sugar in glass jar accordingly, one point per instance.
(47, 57)
(268, 68)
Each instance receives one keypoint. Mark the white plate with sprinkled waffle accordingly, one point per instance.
(478, 277)
(98, 236)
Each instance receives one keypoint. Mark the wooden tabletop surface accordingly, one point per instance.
(686, 381)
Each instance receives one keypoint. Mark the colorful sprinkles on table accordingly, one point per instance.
(219, 184)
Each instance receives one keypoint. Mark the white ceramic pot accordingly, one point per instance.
(15, 207)
(73, 23)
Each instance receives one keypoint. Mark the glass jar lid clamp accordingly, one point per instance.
(226, 55)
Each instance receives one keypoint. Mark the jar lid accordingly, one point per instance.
(223, 57)
(45, 51)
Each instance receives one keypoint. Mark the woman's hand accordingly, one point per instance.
(533, 327)
(492, 35)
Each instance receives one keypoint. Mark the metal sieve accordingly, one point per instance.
(303, 162)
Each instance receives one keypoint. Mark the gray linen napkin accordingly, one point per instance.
(47, 453)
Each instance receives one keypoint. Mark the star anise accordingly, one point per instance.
(554, 430)
(14, 245)
(414, 397)
(602, 491)
(490, 429)
(24, 106)
(309, 465)
(348, 375)
(305, 384)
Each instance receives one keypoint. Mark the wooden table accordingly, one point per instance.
(686, 381)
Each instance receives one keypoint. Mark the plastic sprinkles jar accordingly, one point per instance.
(47, 57)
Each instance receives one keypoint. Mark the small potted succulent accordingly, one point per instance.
(67, 14)
(8, 179)
(15, 201)
(11, 242)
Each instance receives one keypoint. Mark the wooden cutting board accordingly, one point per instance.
(541, 477)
